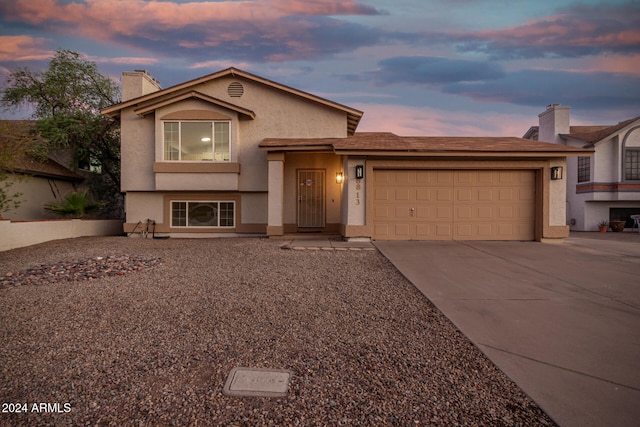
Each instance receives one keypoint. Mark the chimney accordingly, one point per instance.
(137, 83)
(553, 122)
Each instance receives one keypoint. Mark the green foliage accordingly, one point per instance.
(76, 204)
(67, 99)
(8, 201)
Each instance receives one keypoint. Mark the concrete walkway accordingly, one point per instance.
(323, 243)
(562, 320)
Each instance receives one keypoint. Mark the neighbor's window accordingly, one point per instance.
(197, 141)
(632, 164)
(90, 163)
(584, 169)
(202, 213)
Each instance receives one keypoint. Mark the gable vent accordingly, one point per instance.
(235, 90)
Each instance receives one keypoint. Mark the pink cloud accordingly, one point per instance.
(425, 121)
(323, 7)
(124, 16)
(136, 23)
(581, 31)
(21, 48)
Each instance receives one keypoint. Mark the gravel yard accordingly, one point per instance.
(120, 331)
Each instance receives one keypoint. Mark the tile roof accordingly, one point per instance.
(19, 133)
(353, 116)
(389, 142)
(594, 134)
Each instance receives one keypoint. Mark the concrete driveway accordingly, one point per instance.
(562, 320)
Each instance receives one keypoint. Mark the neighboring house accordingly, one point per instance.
(39, 181)
(232, 152)
(606, 186)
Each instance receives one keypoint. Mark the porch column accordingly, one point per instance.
(276, 194)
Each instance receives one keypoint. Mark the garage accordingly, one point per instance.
(453, 204)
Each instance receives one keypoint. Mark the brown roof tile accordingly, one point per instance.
(385, 141)
(18, 135)
(594, 134)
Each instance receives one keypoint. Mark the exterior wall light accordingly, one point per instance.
(359, 171)
(556, 172)
(339, 177)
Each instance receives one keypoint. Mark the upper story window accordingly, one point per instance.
(197, 140)
(632, 164)
(584, 169)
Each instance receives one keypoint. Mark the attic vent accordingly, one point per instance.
(235, 90)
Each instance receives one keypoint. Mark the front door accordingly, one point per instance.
(311, 198)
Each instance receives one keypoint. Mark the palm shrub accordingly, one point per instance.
(75, 204)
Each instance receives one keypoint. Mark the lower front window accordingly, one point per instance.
(198, 213)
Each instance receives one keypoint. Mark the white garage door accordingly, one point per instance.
(454, 205)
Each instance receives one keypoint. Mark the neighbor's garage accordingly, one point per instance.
(453, 204)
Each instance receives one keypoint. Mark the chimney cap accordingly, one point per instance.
(550, 106)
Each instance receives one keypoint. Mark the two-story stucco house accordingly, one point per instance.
(605, 186)
(232, 152)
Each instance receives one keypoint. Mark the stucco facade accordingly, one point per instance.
(288, 163)
(607, 187)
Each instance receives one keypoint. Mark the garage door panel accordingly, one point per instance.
(443, 212)
(506, 212)
(443, 177)
(404, 177)
(401, 213)
(382, 213)
(425, 194)
(381, 194)
(458, 205)
(464, 194)
(402, 229)
(402, 194)
(444, 195)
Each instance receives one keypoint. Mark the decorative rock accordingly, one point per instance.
(84, 269)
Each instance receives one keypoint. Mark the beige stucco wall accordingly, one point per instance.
(36, 191)
(137, 83)
(277, 115)
(558, 196)
(553, 122)
(142, 206)
(354, 195)
(137, 152)
(27, 233)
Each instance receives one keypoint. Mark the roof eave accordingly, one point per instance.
(501, 154)
(148, 108)
(353, 115)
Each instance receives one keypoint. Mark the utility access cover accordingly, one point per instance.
(257, 382)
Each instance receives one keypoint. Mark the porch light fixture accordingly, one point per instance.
(339, 177)
(556, 172)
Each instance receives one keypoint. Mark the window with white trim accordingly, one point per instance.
(197, 140)
(202, 213)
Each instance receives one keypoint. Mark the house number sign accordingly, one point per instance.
(358, 188)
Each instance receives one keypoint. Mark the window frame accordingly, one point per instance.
(583, 170)
(212, 136)
(632, 166)
(186, 218)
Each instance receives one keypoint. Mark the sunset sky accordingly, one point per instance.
(415, 67)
